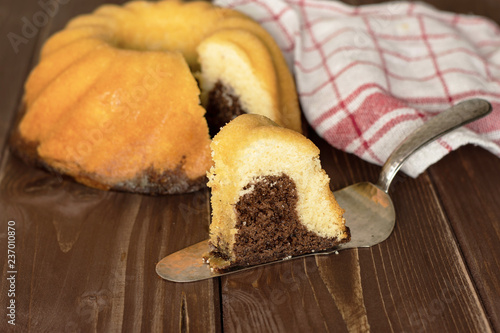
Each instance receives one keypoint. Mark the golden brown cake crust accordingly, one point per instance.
(270, 197)
(149, 182)
(114, 104)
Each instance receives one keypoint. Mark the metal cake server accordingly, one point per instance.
(369, 211)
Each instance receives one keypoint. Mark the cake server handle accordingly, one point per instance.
(448, 120)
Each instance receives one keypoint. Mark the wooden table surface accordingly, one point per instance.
(85, 259)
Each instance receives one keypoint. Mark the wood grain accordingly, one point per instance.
(94, 251)
(15, 59)
(488, 8)
(416, 280)
(467, 185)
(86, 257)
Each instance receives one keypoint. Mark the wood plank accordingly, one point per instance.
(488, 8)
(474, 217)
(416, 280)
(18, 44)
(87, 257)
(86, 260)
(468, 185)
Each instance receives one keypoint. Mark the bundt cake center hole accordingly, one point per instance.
(222, 107)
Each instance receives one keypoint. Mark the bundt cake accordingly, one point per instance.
(270, 197)
(114, 102)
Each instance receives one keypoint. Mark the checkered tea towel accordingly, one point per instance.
(367, 76)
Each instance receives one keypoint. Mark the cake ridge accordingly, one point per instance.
(67, 85)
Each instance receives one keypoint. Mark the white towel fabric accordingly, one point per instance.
(367, 76)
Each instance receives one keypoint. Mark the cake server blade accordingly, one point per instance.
(369, 211)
